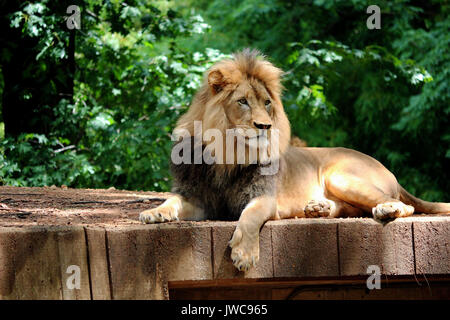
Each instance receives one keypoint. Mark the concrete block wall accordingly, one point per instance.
(140, 261)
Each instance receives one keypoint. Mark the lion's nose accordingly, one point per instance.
(265, 126)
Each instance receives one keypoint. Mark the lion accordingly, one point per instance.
(244, 92)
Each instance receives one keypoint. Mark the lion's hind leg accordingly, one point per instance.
(366, 196)
(392, 210)
(330, 208)
(318, 208)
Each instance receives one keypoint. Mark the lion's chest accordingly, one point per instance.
(222, 194)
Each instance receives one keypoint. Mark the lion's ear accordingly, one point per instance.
(216, 81)
(219, 78)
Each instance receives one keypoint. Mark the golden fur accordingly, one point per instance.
(246, 75)
(312, 182)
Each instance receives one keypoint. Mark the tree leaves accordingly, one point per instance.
(138, 65)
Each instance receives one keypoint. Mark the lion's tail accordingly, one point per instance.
(421, 205)
(297, 142)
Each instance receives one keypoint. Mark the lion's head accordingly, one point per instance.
(240, 93)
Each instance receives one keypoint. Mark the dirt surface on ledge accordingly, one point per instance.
(55, 206)
(63, 206)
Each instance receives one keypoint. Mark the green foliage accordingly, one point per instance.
(35, 160)
(132, 82)
(383, 92)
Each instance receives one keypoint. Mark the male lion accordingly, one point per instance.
(244, 92)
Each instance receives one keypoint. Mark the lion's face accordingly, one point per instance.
(241, 94)
(249, 108)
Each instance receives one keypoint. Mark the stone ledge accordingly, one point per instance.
(138, 262)
(128, 260)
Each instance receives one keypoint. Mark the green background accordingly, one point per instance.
(95, 107)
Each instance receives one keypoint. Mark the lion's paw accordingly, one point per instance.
(391, 210)
(317, 208)
(159, 214)
(244, 250)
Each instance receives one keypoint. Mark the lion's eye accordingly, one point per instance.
(268, 105)
(243, 101)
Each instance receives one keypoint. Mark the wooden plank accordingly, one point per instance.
(406, 287)
(134, 270)
(35, 262)
(365, 242)
(73, 263)
(142, 261)
(7, 265)
(98, 263)
(223, 266)
(305, 248)
(184, 251)
(407, 291)
(432, 245)
(31, 257)
(144, 258)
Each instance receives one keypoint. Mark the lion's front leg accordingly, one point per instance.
(174, 208)
(245, 241)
